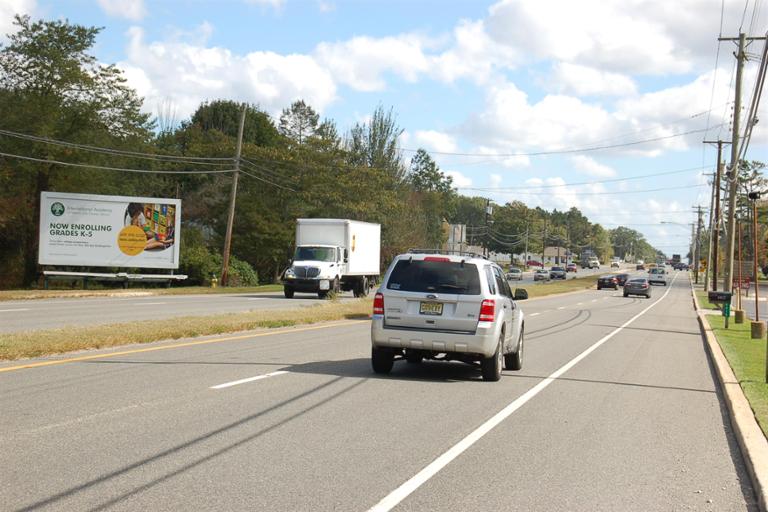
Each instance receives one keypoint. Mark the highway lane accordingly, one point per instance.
(637, 424)
(25, 315)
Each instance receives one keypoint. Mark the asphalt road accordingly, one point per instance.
(26, 315)
(295, 420)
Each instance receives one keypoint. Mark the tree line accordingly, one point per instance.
(61, 106)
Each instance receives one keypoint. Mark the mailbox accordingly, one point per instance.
(720, 297)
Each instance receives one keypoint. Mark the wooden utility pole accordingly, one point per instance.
(714, 233)
(697, 244)
(232, 197)
(754, 258)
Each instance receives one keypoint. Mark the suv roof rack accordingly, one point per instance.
(450, 253)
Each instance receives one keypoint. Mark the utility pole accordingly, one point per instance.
(709, 245)
(697, 244)
(733, 174)
(485, 238)
(525, 265)
(232, 197)
(544, 244)
(714, 233)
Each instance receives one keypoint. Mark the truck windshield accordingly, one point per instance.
(315, 254)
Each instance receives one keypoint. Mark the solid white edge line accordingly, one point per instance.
(13, 310)
(534, 314)
(249, 379)
(395, 497)
(561, 307)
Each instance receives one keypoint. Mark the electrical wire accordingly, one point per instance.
(580, 183)
(102, 167)
(567, 151)
(621, 192)
(111, 151)
(266, 181)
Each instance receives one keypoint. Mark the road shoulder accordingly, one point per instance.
(752, 442)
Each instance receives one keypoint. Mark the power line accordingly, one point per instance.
(266, 181)
(596, 182)
(509, 192)
(566, 151)
(112, 151)
(102, 167)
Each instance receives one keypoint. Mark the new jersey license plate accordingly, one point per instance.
(431, 308)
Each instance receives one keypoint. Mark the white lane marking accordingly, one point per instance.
(534, 314)
(594, 300)
(249, 379)
(12, 310)
(256, 298)
(579, 303)
(149, 303)
(561, 307)
(395, 497)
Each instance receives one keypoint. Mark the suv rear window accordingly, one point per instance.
(435, 276)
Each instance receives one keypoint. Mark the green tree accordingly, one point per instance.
(52, 86)
(298, 122)
(224, 116)
(375, 144)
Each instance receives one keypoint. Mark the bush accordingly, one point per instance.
(201, 264)
(241, 273)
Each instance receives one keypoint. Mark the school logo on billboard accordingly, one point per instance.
(57, 209)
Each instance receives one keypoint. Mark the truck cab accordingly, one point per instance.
(315, 269)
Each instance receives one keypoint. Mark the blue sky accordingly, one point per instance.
(519, 88)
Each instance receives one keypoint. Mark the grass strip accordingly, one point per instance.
(747, 359)
(704, 300)
(181, 290)
(552, 287)
(38, 343)
(19, 345)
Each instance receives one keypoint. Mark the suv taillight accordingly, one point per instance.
(378, 304)
(487, 310)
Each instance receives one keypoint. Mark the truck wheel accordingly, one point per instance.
(288, 292)
(382, 359)
(365, 287)
(322, 294)
(490, 367)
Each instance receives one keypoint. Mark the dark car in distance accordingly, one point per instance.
(622, 278)
(638, 286)
(640, 267)
(608, 281)
(557, 273)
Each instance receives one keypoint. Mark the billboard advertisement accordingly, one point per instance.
(109, 231)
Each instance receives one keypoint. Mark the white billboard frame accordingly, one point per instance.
(66, 244)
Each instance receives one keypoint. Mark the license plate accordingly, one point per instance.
(431, 308)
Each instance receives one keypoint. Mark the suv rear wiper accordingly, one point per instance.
(452, 286)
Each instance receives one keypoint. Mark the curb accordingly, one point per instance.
(752, 442)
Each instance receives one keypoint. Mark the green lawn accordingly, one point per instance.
(552, 287)
(747, 358)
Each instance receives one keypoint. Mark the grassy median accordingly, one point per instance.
(55, 341)
(116, 292)
(747, 358)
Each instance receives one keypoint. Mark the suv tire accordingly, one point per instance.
(514, 360)
(491, 366)
(382, 360)
(288, 292)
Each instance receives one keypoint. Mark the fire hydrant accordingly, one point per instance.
(214, 281)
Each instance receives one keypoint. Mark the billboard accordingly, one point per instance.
(109, 231)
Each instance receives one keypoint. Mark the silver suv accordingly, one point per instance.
(447, 307)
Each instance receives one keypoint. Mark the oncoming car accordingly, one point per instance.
(514, 274)
(447, 307)
(541, 275)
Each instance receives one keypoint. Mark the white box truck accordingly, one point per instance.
(334, 255)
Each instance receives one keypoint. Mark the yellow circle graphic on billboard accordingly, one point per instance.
(132, 240)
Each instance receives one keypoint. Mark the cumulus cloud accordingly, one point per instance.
(188, 73)
(274, 4)
(8, 9)
(587, 81)
(362, 62)
(433, 140)
(133, 10)
(589, 166)
(459, 180)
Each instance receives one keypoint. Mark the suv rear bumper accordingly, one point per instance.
(483, 342)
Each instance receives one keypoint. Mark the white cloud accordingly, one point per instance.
(637, 36)
(133, 10)
(496, 180)
(8, 9)
(433, 140)
(274, 4)
(361, 62)
(188, 74)
(459, 180)
(587, 81)
(325, 6)
(589, 166)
